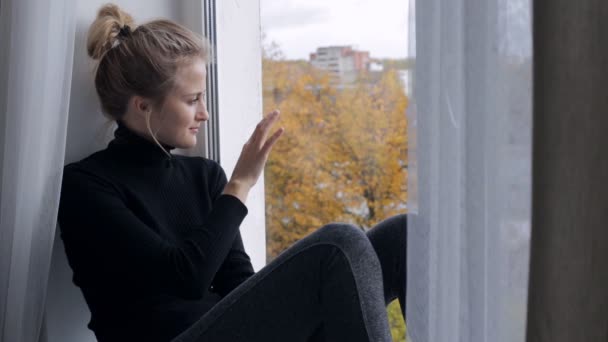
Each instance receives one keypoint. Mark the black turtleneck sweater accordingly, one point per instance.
(151, 240)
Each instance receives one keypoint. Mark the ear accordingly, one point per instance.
(140, 105)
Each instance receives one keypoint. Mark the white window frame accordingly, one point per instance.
(237, 104)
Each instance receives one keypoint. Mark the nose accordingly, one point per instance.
(202, 114)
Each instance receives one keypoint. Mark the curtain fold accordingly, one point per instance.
(36, 52)
(470, 178)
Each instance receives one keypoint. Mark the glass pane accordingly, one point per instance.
(343, 95)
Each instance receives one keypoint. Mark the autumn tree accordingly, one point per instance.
(343, 156)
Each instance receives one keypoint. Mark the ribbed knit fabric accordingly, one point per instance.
(151, 240)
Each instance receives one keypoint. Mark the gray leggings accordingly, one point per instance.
(332, 285)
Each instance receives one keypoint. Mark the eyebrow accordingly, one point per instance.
(195, 93)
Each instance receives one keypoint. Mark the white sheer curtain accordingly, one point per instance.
(36, 51)
(468, 242)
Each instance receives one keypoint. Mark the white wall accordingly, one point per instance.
(239, 73)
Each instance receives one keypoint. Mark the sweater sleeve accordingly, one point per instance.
(103, 238)
(237, 267)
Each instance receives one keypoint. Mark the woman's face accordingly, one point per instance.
(184, 110)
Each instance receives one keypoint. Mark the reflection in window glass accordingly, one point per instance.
(343, 95)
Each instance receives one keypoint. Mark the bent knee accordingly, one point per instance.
(345, 236)
(341, 230)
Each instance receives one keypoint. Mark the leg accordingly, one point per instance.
(389, 241)
(326, 286)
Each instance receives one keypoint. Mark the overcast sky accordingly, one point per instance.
(300, 26)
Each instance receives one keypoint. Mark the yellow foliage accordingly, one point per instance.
(342, 158)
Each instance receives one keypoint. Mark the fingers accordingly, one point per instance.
(268, 121)
(256, 150)
(272, 140)
(262, 129)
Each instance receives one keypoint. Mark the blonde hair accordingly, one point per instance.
(138, 60)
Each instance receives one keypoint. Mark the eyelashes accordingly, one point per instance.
(198, 98)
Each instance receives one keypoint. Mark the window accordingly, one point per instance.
(344, 154)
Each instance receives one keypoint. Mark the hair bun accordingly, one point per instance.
(104, 31)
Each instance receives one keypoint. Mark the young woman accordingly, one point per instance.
(153, 237)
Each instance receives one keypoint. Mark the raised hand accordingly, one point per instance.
(253, 158)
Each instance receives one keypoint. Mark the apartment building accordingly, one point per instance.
(343, 62)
